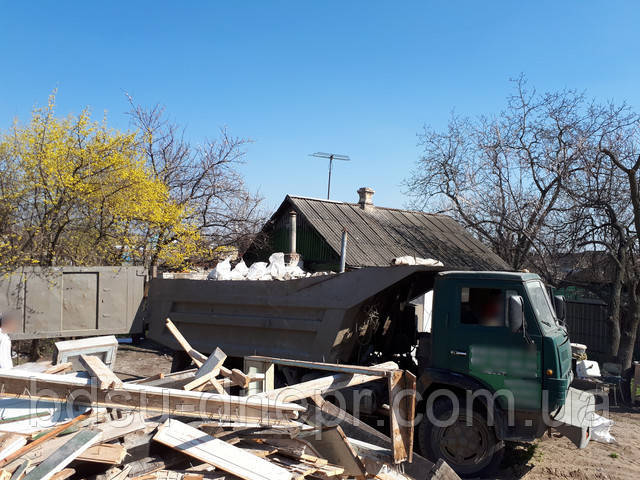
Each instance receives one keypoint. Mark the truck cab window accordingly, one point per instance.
(482, 306)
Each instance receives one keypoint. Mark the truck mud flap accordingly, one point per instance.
(573, 420)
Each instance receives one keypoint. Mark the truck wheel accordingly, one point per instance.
(471, 450)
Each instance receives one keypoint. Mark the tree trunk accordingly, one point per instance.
(615, 303)
(629, 330)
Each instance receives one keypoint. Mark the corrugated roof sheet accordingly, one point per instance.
(377, 235)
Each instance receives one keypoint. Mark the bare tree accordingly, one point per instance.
(553, 174)
(203, 178)
(503, 176)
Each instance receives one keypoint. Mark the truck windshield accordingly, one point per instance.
(541, 304)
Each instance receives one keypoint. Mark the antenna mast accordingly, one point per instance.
(331, 157)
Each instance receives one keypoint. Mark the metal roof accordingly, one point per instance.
(378, 234)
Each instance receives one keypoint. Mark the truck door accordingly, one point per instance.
(484, 347)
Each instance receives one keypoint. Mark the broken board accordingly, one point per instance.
(218, 453)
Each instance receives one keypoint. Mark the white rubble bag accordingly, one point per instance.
(409, 260)
(240, 271)
(257, 271)
(601, 429)
(222, 271)
(277, 267)
(587, 369)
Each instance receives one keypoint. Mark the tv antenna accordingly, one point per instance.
(331, 157)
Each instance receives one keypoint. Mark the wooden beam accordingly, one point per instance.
(60, 368)
(218, 453)
(21, 471)
(64, 455)
(196, 356)
(10, 443)
(79, 391)
(97, 369)
(383, 370)
(321, 386)
(63, 474)
(402, 410)
(109, 453)
(50, 434)
(238, 377)
(208, 371)
(333, 445)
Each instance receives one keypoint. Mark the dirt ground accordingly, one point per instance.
(548, 458)
(557, 457)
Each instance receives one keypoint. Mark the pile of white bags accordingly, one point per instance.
(276, 269)
(601, 429)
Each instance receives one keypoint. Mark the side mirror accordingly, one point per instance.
(561, 307)
(516, 313)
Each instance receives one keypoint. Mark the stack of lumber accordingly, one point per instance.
(210, 422)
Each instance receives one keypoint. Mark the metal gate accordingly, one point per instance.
(74, 301)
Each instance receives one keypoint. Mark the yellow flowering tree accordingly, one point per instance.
(75, 192)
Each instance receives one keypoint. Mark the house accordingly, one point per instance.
(313, 229)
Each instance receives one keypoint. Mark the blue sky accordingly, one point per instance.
(352, 77)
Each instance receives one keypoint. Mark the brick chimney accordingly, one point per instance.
(365, 198)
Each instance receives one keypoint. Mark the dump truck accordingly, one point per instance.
(489, 346)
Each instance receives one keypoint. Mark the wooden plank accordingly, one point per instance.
(56, 431)
(238, 377)
(442, 471)
(21, 471)
(208, 371)
(402, 408)
(64, 455)
(218, 453)
(255, 369)
(152, 378)
(213, 363)
(110, 431)
(122, 474)
(61, 388)
(321, 386)
(358, 431)
(63, 474)
(196, 356)
(60, 368)
(380, 371)
(108, 453)
(97, 369)
(333, 445)
(11, 443)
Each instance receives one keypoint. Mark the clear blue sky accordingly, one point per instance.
(353, 77)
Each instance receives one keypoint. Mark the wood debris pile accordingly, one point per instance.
(210, 422)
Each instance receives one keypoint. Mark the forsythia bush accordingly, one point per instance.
(75, 192)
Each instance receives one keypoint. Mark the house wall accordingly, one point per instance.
(316, 254)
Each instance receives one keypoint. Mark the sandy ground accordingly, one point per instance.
(556, 457)
(548, 458)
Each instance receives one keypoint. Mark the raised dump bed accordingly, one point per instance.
(320, 318)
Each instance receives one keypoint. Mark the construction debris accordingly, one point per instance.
(208, 422)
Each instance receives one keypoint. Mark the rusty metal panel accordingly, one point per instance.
(74, 301)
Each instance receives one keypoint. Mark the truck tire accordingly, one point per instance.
(471, 451)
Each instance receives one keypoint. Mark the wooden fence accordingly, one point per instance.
(587, 324)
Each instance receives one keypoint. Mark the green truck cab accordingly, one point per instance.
(498, 349)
